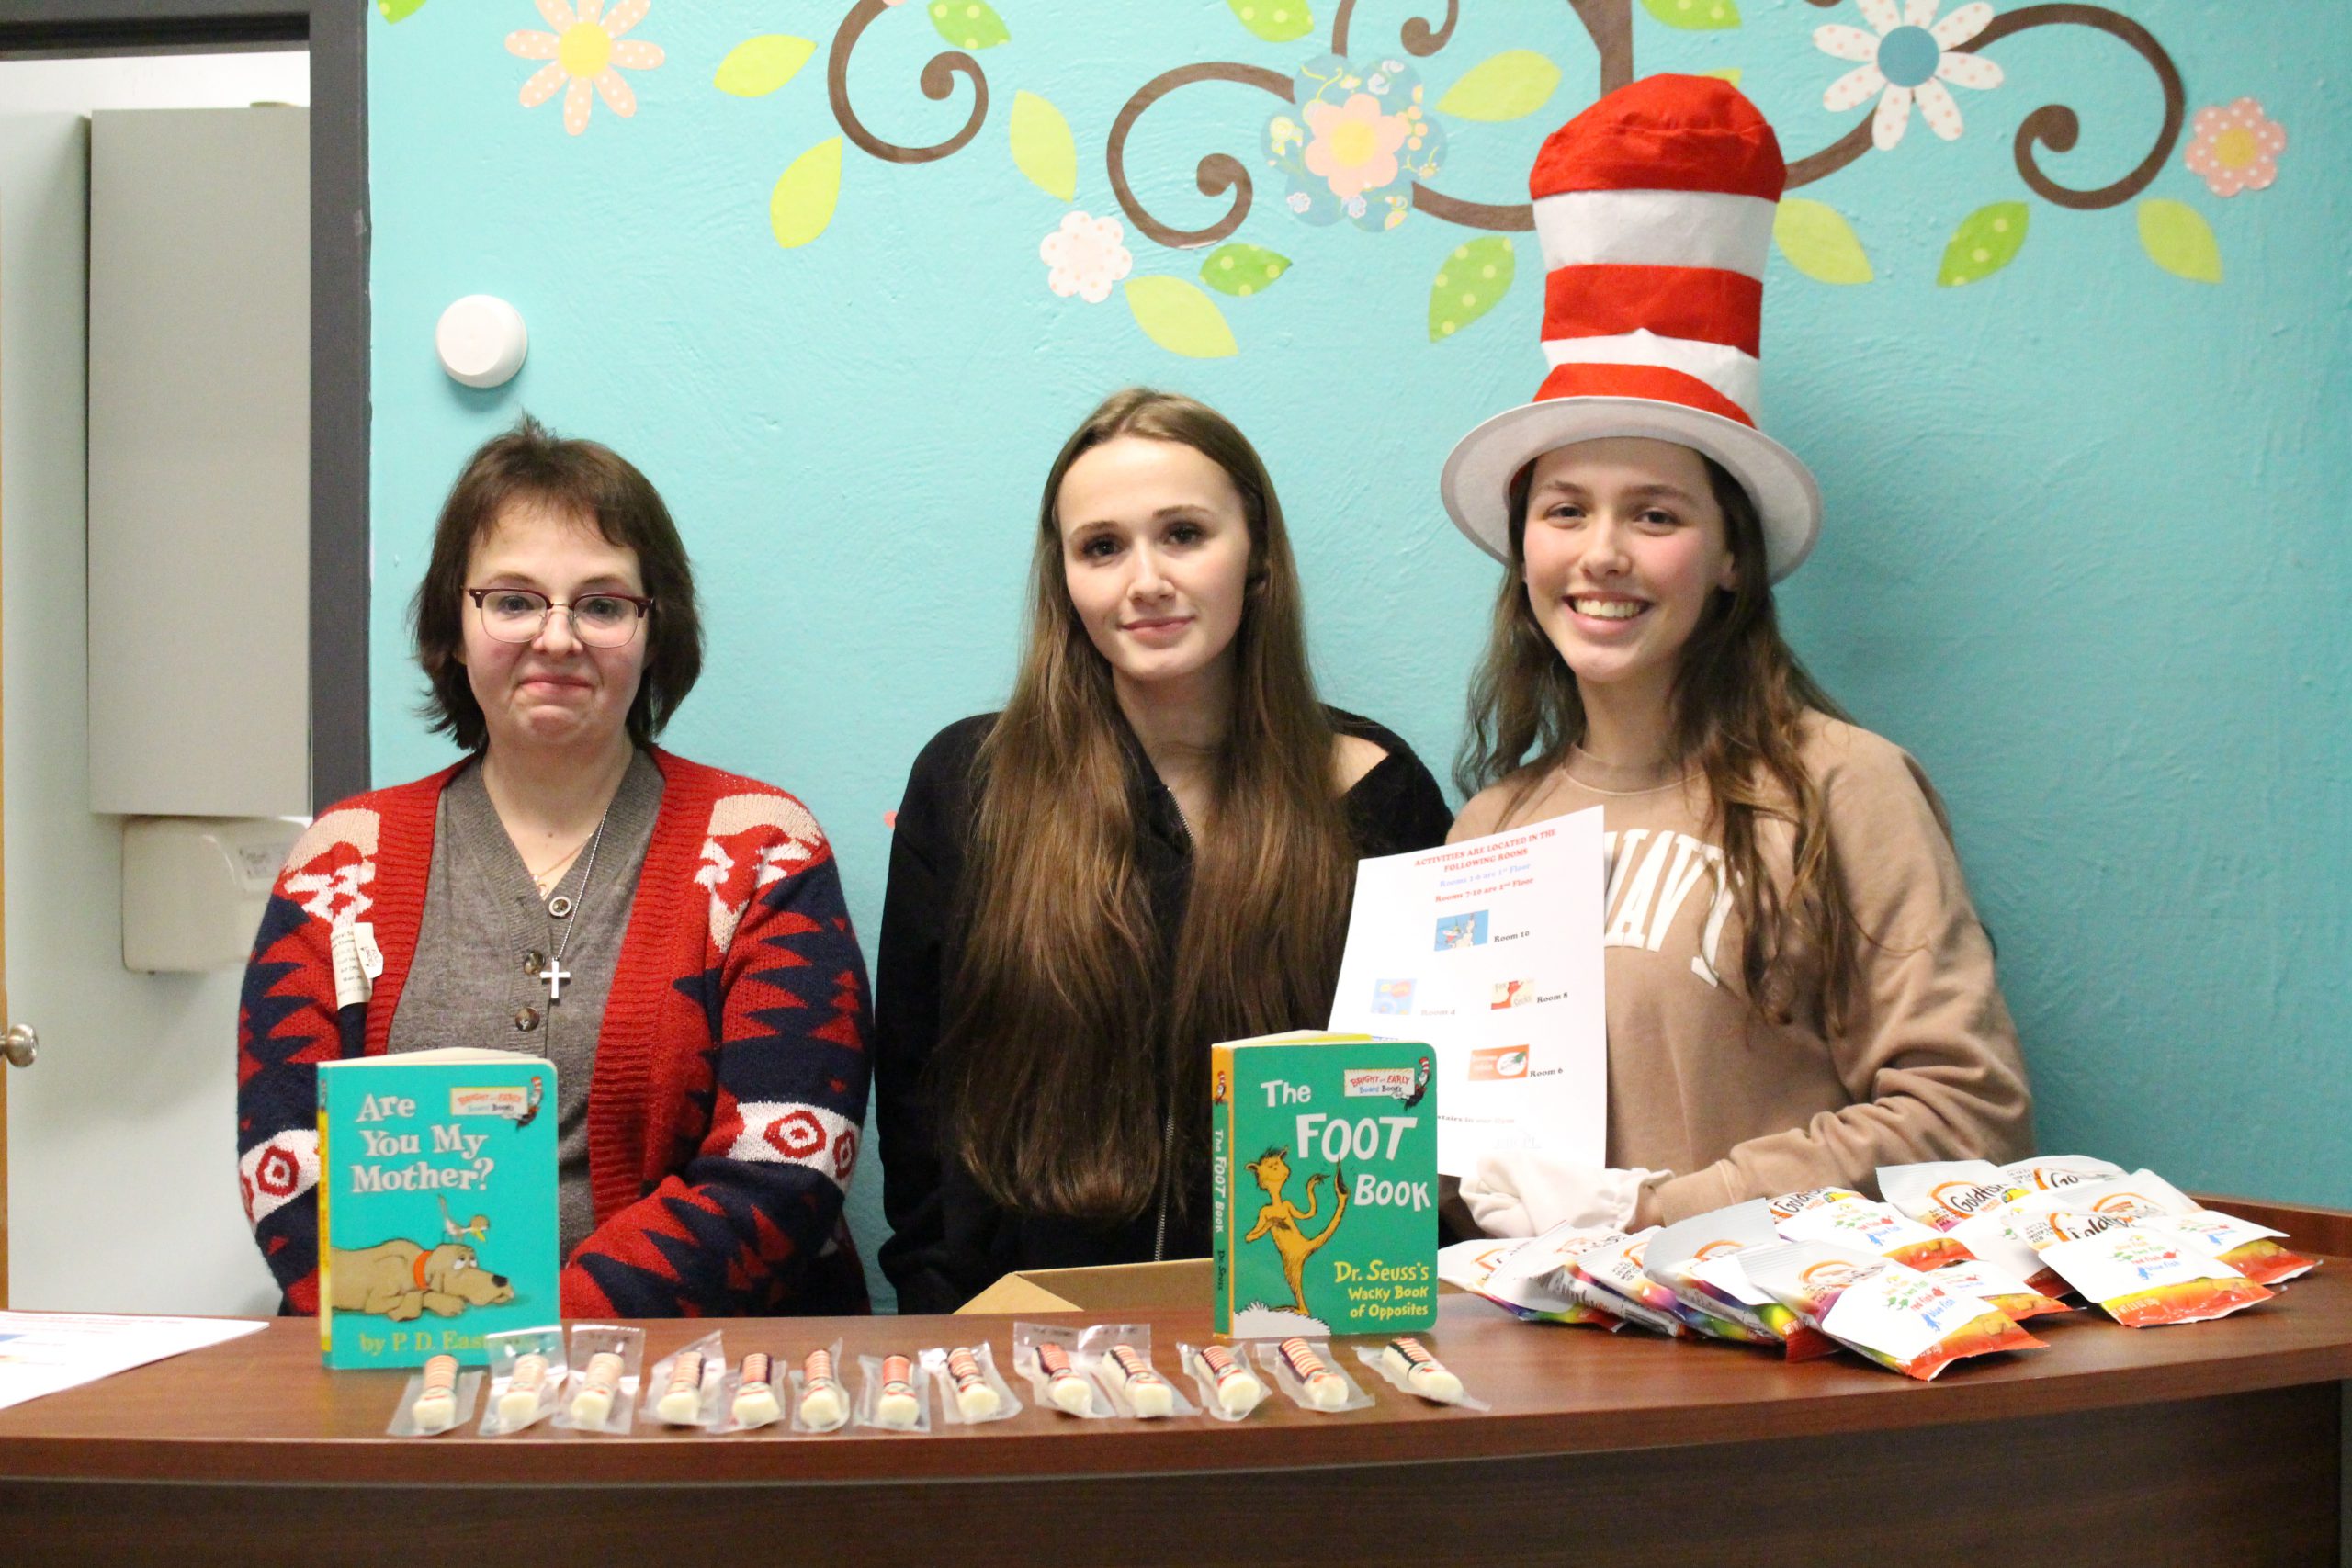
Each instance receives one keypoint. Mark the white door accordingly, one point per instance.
(120, 1144)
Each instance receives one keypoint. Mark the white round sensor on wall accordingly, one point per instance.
(481, 341)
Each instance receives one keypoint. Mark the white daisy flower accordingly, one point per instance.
(1908, 59)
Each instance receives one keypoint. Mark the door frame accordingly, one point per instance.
(336, 32)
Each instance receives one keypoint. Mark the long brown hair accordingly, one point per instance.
(1739, 703)
(1074, 1058)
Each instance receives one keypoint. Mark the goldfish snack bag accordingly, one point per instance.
(1878, 1229)
(2149, 1201)
(1882, 1310)
(1698, 1259)
(2048, 1173)
(1940, 1193)
(2142, 1278)
(1789, 1203)
(1617, 1268)
(2016, 1300)
(1482, 1268)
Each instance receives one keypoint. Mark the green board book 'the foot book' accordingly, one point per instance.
(1325, 1186)
(436, 1204)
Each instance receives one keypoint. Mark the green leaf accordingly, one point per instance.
(1819, 243)
(1728, 73)
(1986, 241)
(399, 10)
(803, 200)
(2178, 240)
(1179, 318)
(1695, 15)
(1469, 282)
(968, 24)
(1276, 21)
(1242, 270)
(1042, 148)
(1515, 82)
(757, 67)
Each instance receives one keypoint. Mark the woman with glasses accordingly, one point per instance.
(670, 936)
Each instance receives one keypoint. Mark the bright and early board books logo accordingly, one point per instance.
(1362, 1082)
(506, 1101)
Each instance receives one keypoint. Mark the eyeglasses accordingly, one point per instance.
(519, 614)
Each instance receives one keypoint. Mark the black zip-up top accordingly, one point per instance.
(949, 1241)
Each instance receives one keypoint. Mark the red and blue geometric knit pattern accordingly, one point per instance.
(725, 1114)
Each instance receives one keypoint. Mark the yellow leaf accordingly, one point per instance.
(1042, 148)
(1819, 243)
(1513, 84)
(759, 66)
(2178, 240)
(1179, 318)
(803, 200)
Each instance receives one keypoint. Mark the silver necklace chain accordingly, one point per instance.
(553, 975)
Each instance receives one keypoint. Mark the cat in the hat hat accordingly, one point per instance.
(1798, 988)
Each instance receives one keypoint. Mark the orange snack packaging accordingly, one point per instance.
(1699, 1260)
(2016, 1299)
(2147, 1200)
(2140, 1277)
(1882, 1310)
(1877, 1229)
(1503, 1272)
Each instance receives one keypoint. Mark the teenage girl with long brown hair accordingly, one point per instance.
(1152, 849)
(1798, 988)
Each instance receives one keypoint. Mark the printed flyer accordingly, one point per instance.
(1490, 951)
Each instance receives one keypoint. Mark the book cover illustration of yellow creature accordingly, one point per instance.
(1324, 1152)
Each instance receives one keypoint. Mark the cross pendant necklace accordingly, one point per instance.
(555, 973)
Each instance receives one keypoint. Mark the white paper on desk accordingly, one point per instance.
(44, 1352)
(1489, 949)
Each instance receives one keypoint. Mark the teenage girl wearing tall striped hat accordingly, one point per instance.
(1799, 988)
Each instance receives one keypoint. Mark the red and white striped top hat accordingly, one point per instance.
(1655, 210)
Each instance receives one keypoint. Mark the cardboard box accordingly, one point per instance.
(1182, 1283)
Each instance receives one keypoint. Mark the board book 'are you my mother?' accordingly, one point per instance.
(436, 1204)
(1324, 1186)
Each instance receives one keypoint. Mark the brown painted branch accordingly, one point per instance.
(2058, 128)
(1472, 214)
(1609, 23)
(938, 80)
(1832, 158)
(1419, 40)
(1216, 174)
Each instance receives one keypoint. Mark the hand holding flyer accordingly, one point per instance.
(1490, 951)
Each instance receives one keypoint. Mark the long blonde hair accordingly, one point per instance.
(1740, 704)
(1074, 1056)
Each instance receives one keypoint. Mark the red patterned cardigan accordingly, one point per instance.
(725, 1115)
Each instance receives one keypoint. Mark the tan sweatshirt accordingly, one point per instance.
(1927, 1066)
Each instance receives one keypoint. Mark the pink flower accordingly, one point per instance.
(1084, 257)
(1355, 145)
(587, 55)
(2235, 147)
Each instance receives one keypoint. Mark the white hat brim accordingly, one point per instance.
(1475, 482)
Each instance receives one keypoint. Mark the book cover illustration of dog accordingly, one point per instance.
(402, 1279)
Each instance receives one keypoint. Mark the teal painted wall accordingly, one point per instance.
(2085, 554)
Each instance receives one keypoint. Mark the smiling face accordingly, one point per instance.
(1156, 553)
(555, 691)
(1624, 548)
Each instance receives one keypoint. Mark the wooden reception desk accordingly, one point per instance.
(2221, 1442)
